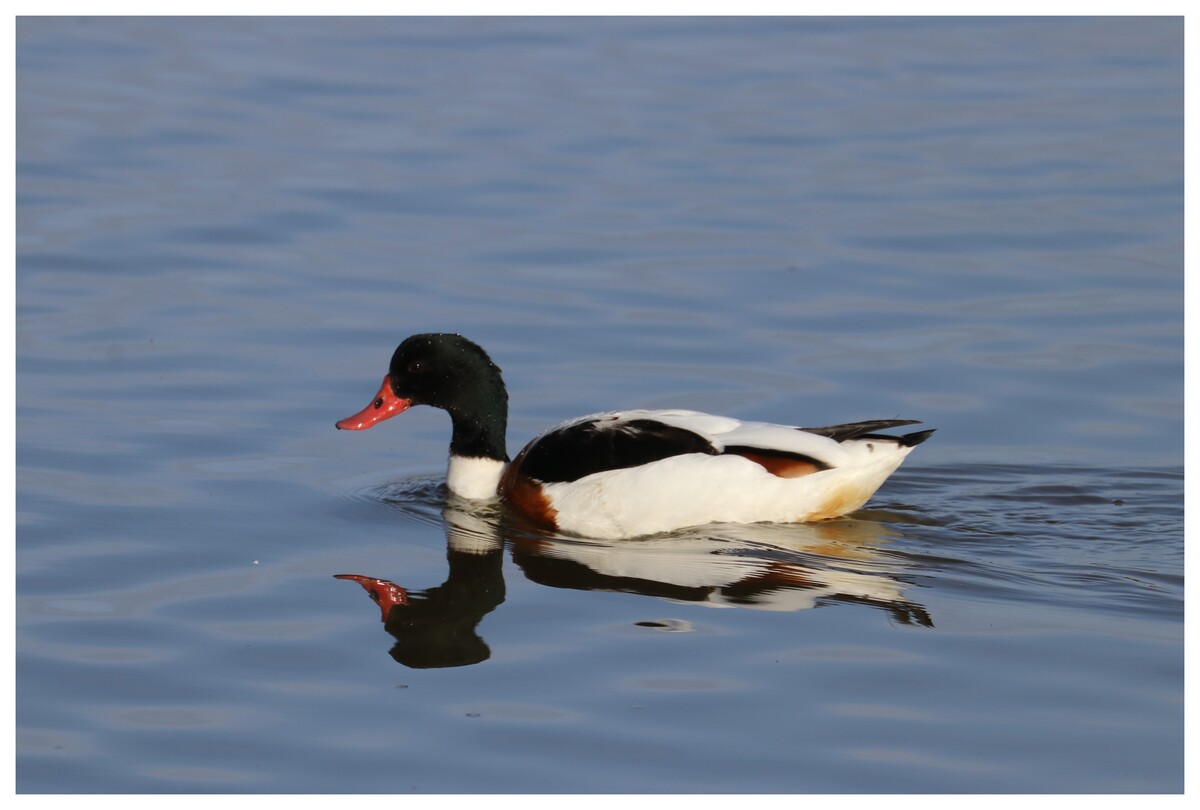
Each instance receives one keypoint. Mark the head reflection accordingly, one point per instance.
(437, 627)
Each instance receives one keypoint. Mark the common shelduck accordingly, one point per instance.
(633, 473)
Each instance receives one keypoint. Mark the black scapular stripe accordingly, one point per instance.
(607, 444)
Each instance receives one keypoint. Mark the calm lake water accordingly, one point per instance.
(224, 227)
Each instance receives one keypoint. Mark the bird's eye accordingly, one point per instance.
(414, 367)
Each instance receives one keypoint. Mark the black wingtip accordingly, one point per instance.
(861, 430)
(913, 439)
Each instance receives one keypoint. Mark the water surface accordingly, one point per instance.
(224, 226)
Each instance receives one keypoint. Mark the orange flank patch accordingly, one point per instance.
(781, 466)
(526, 496)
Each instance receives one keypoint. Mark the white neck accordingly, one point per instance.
(474, 478)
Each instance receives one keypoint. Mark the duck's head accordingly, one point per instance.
(443, 370)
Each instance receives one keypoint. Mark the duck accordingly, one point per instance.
(633, 473)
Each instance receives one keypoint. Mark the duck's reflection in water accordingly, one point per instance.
(760, 566)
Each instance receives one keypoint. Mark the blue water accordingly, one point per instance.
(224, 226)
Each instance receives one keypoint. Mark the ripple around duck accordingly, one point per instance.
(416, 498)
(1039, 510)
